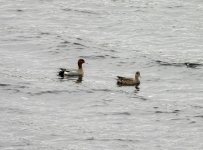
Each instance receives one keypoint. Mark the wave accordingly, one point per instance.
(187, 64)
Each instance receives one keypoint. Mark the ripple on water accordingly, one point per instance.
(93, 57)
(116, 114)
(139, 97)
(167, 112)
(19, 10)
(14, 110)
(186, 64)
(48, 92)
(63, 44)
(102, 90)
(199, 116)
(84, 11)
(13, 88)
(110, 140)
(121, 113)
(66, 43)
(4, 85)
(45, 33)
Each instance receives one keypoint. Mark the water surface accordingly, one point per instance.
(159, 38)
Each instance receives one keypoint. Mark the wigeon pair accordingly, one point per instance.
(79, 73)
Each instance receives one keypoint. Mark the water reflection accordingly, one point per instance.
(79, 80)
(76, 79)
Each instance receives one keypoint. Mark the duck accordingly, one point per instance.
(72, 72)
(129, 81)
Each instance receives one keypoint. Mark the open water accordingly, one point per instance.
(40, 111)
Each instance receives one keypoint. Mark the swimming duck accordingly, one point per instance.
(129, 81)
(72, 72)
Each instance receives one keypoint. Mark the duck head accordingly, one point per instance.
(80, 62)
(137, 74)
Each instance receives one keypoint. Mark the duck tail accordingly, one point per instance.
(119, 81)
(61, 73)
(119, 78)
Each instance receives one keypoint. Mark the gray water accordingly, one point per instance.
(38, 110)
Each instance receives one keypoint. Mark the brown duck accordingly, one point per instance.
(129, 81)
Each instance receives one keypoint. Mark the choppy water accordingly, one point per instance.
(115, 37)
